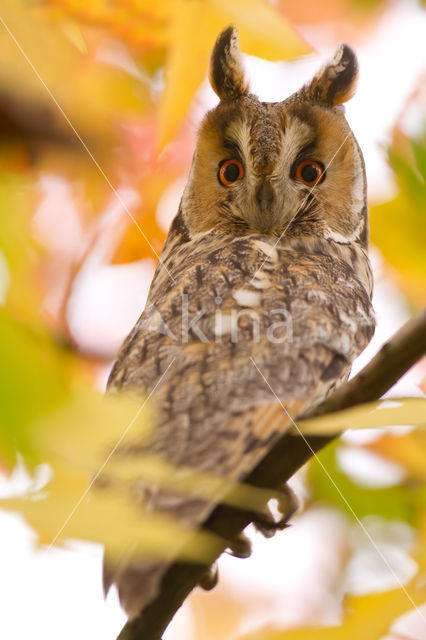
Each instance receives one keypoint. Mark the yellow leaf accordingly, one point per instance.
(408, 450)
(369, 618)
(193, 32)
(72, 31)
(84, 499)
(398, 227)
(189, 29)
(196, 25)
(187, 481)
(264, 32)
(66, 510)
(39, 61)
(86, 429)
(383, 413)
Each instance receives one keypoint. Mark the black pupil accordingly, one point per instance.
(232, 172)
(309, 173)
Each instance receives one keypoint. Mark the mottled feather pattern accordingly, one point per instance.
(265, 279)
(213, 401)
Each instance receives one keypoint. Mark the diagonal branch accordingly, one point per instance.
(394, 359)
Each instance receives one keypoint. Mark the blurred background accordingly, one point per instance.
(99, 107)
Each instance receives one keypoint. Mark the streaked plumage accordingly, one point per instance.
(265, 251)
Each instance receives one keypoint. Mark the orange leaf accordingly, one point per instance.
(408, 450)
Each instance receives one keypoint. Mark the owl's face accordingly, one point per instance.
(284, 169)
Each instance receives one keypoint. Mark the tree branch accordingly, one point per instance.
(394, 359)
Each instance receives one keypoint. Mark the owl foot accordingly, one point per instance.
(210, 579)
(267, 523)
(240, 547)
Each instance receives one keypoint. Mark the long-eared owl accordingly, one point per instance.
(261, 297)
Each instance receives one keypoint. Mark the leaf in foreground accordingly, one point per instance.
(371, 415)
(398, 227)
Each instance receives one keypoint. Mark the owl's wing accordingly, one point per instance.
(245, 328)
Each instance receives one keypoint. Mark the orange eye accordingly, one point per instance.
(309, 172)
(230, 171)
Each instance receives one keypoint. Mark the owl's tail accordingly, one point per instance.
(137, 584)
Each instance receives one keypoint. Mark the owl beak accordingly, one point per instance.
(265, 200)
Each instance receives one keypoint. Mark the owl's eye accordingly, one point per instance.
(230, 171)
(309, 172)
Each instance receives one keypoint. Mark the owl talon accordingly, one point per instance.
(210, 579)
(266, 527)
(267, 524)
(240, 547)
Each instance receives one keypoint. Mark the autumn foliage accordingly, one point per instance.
(99, 103)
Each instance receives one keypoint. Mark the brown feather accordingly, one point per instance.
(277, 279)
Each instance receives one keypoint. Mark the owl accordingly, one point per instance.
(261, 299)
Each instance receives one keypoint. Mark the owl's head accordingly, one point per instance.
(290, 168)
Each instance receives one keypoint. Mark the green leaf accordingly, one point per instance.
(33, 381)
(329, 483)
(398, 227)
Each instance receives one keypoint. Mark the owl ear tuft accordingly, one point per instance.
(226, 72)
(335, 82)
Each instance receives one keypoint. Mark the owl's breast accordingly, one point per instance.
(215, 304)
